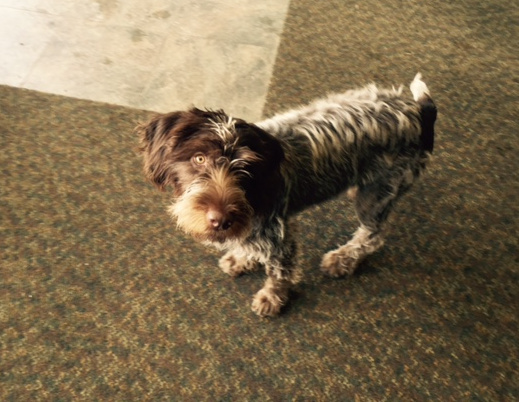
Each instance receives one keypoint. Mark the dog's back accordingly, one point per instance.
(346, 139)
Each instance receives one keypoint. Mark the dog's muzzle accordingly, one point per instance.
(218, 220)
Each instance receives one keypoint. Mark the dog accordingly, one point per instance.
(237, 184)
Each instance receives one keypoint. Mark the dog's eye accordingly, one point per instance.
(199, 159)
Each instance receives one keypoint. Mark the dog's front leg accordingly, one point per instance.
(237, 262)
(282, 272)
(272, 297)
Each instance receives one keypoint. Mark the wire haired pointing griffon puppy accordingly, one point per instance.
(236, 184)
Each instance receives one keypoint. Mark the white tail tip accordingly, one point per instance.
(418, 88)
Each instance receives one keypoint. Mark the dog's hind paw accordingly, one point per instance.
(338, 263)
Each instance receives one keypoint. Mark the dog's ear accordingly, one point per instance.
(157, 139)
(266, 184)
(264, 145)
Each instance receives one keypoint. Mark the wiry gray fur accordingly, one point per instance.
(346, 140)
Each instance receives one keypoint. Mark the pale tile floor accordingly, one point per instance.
(158, 55)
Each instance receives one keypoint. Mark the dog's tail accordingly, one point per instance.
(428, 111)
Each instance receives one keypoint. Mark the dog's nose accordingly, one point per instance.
(218, 220)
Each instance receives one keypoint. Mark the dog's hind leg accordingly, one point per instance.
(345, 259)
(373, 202)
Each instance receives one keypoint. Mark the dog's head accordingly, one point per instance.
(223, 171)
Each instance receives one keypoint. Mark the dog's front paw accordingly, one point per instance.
(236, 266)
(267, 303)
(340, 262)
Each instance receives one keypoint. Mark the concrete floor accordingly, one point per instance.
(158, 55)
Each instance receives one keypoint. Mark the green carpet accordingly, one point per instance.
(102, 299)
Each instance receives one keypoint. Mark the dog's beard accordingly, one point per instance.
(217, 192)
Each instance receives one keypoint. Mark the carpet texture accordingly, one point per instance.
(102, 299)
